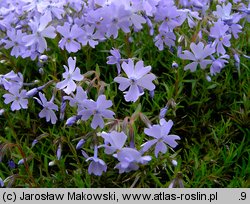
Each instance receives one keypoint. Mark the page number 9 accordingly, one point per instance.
(243, 196)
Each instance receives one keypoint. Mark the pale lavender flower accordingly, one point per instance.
(1, 183)
(48, 109)
(246, 11)
(118, 18)
(97, 166)
(51, 8)
(78, 99)
(219, 32)
(70, 34)
(115, 58)
(218, 64)
(190, 16)
(113, 141)
(224, 13)
(15, 42)
(200, 52)
(129, 159)
(162, 138)
(99, 111)
(138, 79)
(40, 30)
(90, 36)
(11, 80)
(165, 38)
(169, 15)
(71, 74)
(17, 97)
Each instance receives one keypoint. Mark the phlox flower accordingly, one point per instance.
(17, 97)
(129, 159)
(99, 111)
(199, 55)
(70, 34)
(219, 32)
(218, 64)
(97, 166)
(71, 74)
(11, 80)
(224, 13)
(40, 30)
(89, 37)
(167, 38)
(15, 42)
(115, 58)
(162, 138)
(113, 141)
(138, 79)
(48, 109)
(78, 99)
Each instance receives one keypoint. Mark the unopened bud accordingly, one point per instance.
(152, 93)
(163, 112)
(62, 110)
(34, 142)
(52, 163)
(174, 162)
(71, 121)
(1, 183)
(175, 65)
(59, 151)
(41, 71)
(80, 144)
(21, 162)
(32, 92)
(1, 111)
(208, 78)
(43, 58)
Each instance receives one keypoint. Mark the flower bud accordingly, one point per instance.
(34, 142)
(71, 121)
(1, 183)
(152, 93)
(175, 65)
(174, 162)
(21, 162)
(52, 163)
(163, 112)
(59, 151)
(1, 111)
(208, 78)
(80, 144)
(32, 92)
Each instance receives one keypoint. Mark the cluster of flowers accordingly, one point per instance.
(136, 81)
(26, 25)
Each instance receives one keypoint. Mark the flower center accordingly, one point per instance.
(132, 80)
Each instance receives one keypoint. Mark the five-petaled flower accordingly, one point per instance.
(162, 137)
(99, 111)
(48, 109)
(200, 52)
(17, 97)
(138, 79)
(71, 74)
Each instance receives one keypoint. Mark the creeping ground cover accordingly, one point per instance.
(117, 93)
